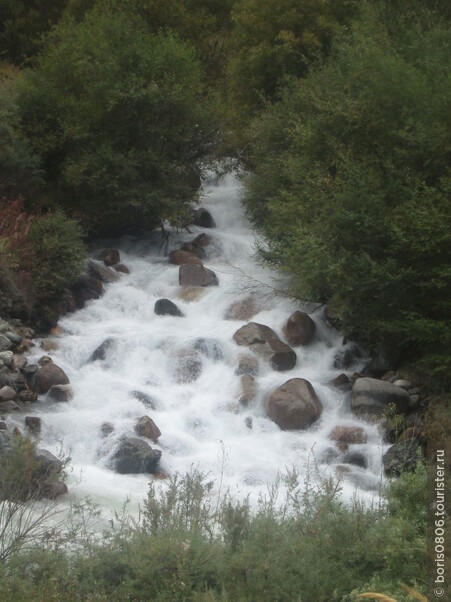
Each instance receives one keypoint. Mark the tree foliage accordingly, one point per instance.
(352, 184)
(118, 118)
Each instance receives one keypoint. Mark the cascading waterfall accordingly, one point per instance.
(201, 423)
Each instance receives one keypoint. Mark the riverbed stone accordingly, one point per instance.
(191, 274)
(348, 434)
(7, 393)
(247, 364)
(5, 343)
(191, 293)
(243, 309)
(299, 329)
(110, 257)
(102, 272)
(294, 405)
(248, 389)
(165, 307)
(33, 424)
(202, 240)
(135, 456)
(193, 249)
(122, 268)
(60, 393)
(264, 342)
(144, 398)
(146, 427)
(180, 257)
(203, 218)
(101, 352)
(209, 348)
(372, 397)
(355, 458)
(49, 374)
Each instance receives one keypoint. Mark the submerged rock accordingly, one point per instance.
(101, 352)
(209, 348)
(242, 310)
(294, 405)
(188, 366)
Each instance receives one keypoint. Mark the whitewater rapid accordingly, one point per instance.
(201, 423)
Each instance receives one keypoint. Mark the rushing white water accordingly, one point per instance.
(199, 427)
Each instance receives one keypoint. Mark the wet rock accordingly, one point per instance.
(60, 393)
(401, 457)
(3, 426)
(123, 269)
(33, 424)
(25, 346)
(110, 257)
(191, 274)
(135, 456)
(97, 269)
(203, 240)
(209, 348)
(165, 307)
(188, 366)
(332, 317)
(356, 459)
(145, 399)
(248, 389)
(106, 429)
(5, 343)
(294, 405)
(87, 288)
(28, 396)
(181, 257)
(341, 382)
(48, 375)
(15, 338)
(247, 364)
(146, 427)
(370, 396)
(203, 218)
(48, 345)
(53, 490)
(348, 434)
(48, 465)
(300, 329)
(102, 350)
(7, 393)
(242, 310)
(19, 362)
(264, 342)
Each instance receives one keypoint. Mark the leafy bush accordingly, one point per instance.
(57, 253)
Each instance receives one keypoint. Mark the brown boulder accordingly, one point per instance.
(191, 274)
(300, 328)
(182, 257)
(33, 424)
(248, 389)
(247, 364)
(264, 342)
(203, 240)
(60, 393)
(146, 427)
(110, 257)
(348, 434)
(7, 393)
(294, 405)
(49, 374)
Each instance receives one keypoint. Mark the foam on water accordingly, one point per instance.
(197, 424)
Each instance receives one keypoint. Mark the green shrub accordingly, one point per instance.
(57, 254)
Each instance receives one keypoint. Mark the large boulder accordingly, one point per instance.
(372, 397)
(401, 457)
(299, 329)
(48, 375)
(203, 218)
(135, 456)
(47, 465)
(348, 434)
(86, 288)
(191, 274)
(165, 307)
(294, 405)
(264, 342)
(183, 256)
(146, 427)
(110, 257)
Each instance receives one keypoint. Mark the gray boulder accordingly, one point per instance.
(101, 352)
(165, 307)
(370, 396)
(135, 456)
(264, 342)
(191, 274)
(294, 405)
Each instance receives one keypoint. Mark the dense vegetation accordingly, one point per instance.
(340, 112)
(190, 547)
